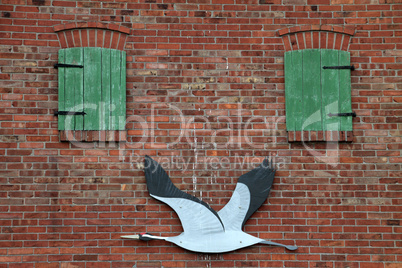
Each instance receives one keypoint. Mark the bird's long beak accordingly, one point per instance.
(136, 237)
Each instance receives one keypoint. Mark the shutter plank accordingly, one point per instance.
(78, 89)
(93, 85)
(294, 89)
(69, 122)
(345, 103)
(115, 56)
(330, 89)
(122, 95)
(73, 88)
(61, 118)
(312, 90)
(105, 105)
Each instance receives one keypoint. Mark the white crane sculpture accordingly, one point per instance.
(206, 230)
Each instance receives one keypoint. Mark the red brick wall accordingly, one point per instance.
(205, 87)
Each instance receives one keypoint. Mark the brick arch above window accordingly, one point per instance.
(316, 36)
(92, 34)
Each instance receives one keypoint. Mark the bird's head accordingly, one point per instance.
(145, 237)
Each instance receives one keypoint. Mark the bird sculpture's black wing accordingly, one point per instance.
(195, 215)
(251, 191)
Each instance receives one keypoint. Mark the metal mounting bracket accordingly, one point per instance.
(353, 114)
(57, 65)
(68, 113)
(351, 67)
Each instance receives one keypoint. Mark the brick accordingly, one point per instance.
(99, 38)
(283, 31)
(330, 40)
(59, 27)
(84, 37)
(338, 41)
(69, 39)
(286, 43)
(92, 37)
(115, 39)
(77, 38)
(308, 40)
(323, 40)
(293, 42)
(122, 42)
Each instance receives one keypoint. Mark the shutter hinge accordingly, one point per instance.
(353, 114)
(56, 113)
(57, 65)
(351, 67)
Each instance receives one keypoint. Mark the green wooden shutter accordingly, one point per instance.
(98, 89)
(312, 92)
(71, 89)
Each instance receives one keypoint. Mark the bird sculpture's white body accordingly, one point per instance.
(205, 230)
(216, 243)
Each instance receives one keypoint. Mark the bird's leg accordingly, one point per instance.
(278, 244)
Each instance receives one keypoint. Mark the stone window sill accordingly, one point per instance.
(301, 136)
(93, 135)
